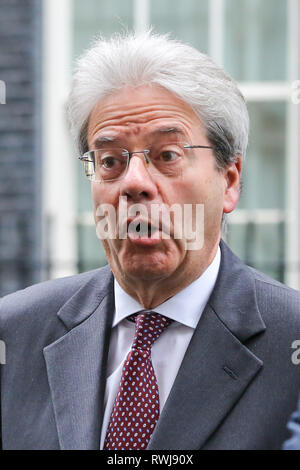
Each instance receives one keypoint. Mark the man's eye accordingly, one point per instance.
(108, 162)
(168, 156)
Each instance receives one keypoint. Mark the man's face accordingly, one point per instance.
(136, 119)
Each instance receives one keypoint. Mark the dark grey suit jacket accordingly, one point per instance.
(235, 389)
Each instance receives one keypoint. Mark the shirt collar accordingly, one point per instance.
(185, 307)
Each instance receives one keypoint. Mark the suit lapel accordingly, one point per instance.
(216, 370)
(217, 367)
(76, 363)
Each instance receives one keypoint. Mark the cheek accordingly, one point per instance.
(101, 194)
(207, 190)
(193, 191)
(95, 194)
(98, 197)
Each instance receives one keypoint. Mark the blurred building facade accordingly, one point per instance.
(258, 44)
(20, 144)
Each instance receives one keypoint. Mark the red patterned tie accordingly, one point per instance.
(136, 408)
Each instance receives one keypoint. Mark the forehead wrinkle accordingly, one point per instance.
(114, 122)
(118, 133)
(137, 105)
(116, 111)
(127, 107)
(162, 130)
(119, 122)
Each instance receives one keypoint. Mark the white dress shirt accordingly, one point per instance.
(185, 308)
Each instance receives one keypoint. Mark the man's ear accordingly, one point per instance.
(232, 176)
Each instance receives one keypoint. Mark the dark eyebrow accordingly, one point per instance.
(105, 139)
(168, 130)
(165, 130)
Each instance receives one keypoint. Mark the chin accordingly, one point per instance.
(148, 269)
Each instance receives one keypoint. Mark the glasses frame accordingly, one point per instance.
(85, 158)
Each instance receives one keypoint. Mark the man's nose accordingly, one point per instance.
(138, 183)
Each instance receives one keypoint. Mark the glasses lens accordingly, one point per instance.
(162, 160)
(105, 164)
(110, 164)
(89, 168)
(167, 159)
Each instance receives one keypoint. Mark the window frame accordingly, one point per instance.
(61, 217)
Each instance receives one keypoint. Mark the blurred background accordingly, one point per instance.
(46, 223)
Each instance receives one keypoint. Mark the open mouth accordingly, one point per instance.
(141, 228)
(142, 232)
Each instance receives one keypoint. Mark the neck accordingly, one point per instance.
(153, 292)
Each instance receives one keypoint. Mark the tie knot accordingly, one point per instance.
(148, 327)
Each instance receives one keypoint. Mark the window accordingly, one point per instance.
(254, 30)
(257, 42)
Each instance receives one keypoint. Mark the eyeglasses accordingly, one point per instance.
(162, 160)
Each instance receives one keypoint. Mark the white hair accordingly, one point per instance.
(142, 59)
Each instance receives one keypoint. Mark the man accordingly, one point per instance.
(176, 344)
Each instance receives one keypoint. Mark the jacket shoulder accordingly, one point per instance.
(282, 301)
(44, 297)
(264, 278)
